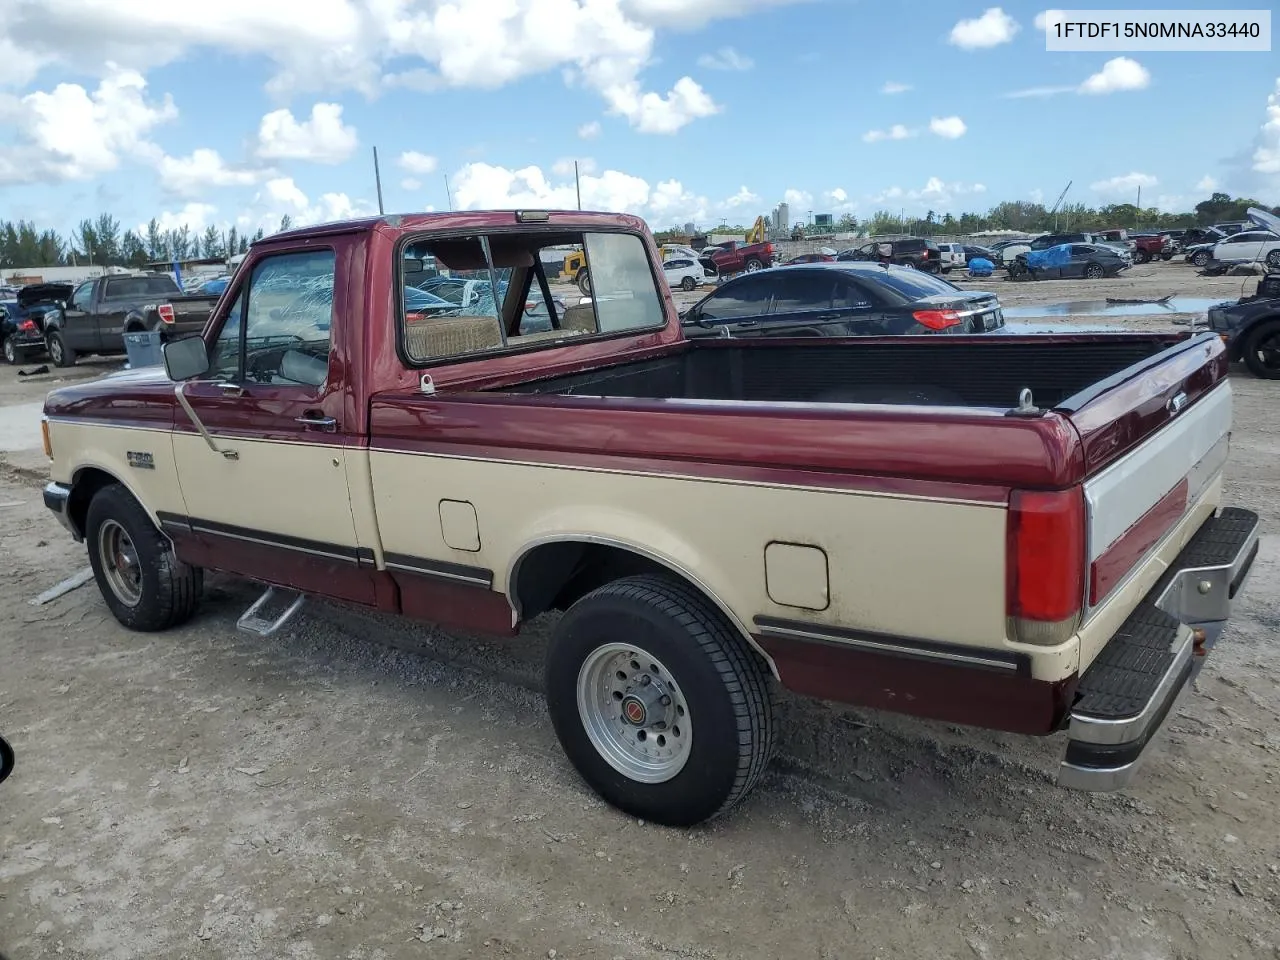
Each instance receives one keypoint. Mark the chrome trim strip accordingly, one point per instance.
(197, 527)
(442, 574)
(884, 646)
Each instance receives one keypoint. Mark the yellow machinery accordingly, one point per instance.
(759, 231)
(574, 264)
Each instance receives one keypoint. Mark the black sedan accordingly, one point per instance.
(1091, 261)
(1250, 327)
(846, 299)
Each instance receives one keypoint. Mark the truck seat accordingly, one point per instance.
(432, 339)
(580, 317)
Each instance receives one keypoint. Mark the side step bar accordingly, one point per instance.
(252, 622)
(1128, 691)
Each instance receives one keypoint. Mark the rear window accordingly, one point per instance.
(912, 284)
(140, 287)
(910, 246)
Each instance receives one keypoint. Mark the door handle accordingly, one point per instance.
(231, 389)
(327, 424)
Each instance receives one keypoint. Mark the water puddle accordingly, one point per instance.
(1102, 308)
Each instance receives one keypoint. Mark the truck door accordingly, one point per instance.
(265, 485)
(79, 330)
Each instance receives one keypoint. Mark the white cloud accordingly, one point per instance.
(798, 198)
(564, 166)
(837, 195)
(896, 132)
(1206, 184)
(411, 161)
(1036, 195)
(479, 186)
(323, 138)
(991, 29)
(1171, 203)
(726, 58)
(1045, 19)
(411, 184)
(194, 216)
(1125, 186)
(949, 128)
(589, 131)
(936, 193)
(743, 198)
(1266, 154)
(652, 113)
(671, 203)
(1116, 75)
(891, 87)
(69, 133)
(280, 196)
(204, 169)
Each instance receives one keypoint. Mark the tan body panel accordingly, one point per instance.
(81, 444)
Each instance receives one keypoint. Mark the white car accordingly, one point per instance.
(952, 256)
(686, 274)
(1250, 246)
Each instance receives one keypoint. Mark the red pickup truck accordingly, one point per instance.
(1018, 532)
(737, 257)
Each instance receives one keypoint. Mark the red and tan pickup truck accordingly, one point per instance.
(1023, 533)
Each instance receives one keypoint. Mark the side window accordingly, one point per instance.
(80, 299)
(1081, 250)
(287, 321)
(747, 297)
(851, 296)
(801, 292)
(622, 285)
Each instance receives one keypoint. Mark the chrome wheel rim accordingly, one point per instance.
(55, 350)
(119, 560)
(634, 713)
(10, 352)
(753, 266)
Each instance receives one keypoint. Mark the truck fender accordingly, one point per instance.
(134, 322)
(97, 466)
(616, 529)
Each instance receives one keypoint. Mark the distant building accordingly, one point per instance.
(24, 276)
(781, 218)
(690, 228)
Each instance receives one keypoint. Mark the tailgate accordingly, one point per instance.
(1155, 441)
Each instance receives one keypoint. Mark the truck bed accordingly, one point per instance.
(950, 371)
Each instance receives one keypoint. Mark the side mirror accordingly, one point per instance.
(185, 359)
(6, 759)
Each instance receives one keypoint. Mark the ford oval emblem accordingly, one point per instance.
(1176, 403)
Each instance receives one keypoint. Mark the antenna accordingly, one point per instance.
(448, 195)
(577, 183)
(377, 178)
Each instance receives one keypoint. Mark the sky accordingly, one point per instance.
(242, 111)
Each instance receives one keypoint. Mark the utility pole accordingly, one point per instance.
(577, 183)
(377, 177)
(1139, 200)
(448, 195)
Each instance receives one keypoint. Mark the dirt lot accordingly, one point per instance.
(363, 788)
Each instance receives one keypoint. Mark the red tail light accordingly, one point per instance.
(166, 312)
(27, 326)
(1045, 564)
(937, 319)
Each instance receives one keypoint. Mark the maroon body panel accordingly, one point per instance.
(1132, 545)
(478, 609)
(936, 691)
(132, 398)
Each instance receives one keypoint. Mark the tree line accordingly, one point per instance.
(1031, 218)
(103, 242)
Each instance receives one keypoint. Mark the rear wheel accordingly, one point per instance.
(753, 265)
(1261, 352)
(1094, 271)
(59, 352)
(11, 352)
(1143, 256)
(584, 282)
(143, 583)
(658, 702)
(688, 283)
(1166, 256)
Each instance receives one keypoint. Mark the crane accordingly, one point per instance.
(1057, 203)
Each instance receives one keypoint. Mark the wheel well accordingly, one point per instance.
(553, 576)
(84, 485)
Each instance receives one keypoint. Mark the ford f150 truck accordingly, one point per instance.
(735, 256)
(1024, 533)
(101, 311)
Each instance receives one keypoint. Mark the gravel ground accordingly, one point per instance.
(361, 787)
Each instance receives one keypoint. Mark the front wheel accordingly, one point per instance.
(1143, 257)
(143, 583)
(1261, 353)
(658, 702)
(688, 284)
(1199, 258)
(59, 352)
(1166, 256)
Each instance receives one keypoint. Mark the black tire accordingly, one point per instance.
(1199, 258)
(169, 590)
(583, 281)
(1273, 259)
(1094, 271)
(1166, 256)
(1143, 257)
(59, 352)
(1264, 337)
(12, 353)
(689, 284)
(725, 684)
